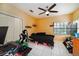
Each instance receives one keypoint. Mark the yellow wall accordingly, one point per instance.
(43, 24)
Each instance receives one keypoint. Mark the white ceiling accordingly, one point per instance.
(63, 8)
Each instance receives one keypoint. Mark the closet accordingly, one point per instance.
(14, 25)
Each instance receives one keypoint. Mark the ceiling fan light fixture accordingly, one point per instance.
(47, 12)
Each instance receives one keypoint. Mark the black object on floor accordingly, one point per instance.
(68, 44)
(42, 38)
(5, 48)
(24, 51)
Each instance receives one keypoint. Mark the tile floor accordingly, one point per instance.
(41, 50)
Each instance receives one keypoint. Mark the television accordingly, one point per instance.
(3, 32)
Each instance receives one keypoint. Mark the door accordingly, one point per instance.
(17, 28)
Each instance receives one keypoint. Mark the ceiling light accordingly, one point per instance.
(47, 12)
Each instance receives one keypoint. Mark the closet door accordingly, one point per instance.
(17, 28)
(7, 21)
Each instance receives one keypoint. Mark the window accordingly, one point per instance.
(60, 28)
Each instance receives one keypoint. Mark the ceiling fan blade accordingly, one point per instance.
(53, 11)
(52, 7)
(42, 13)
(41, 9)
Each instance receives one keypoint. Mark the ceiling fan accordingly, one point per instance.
(49, 10)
